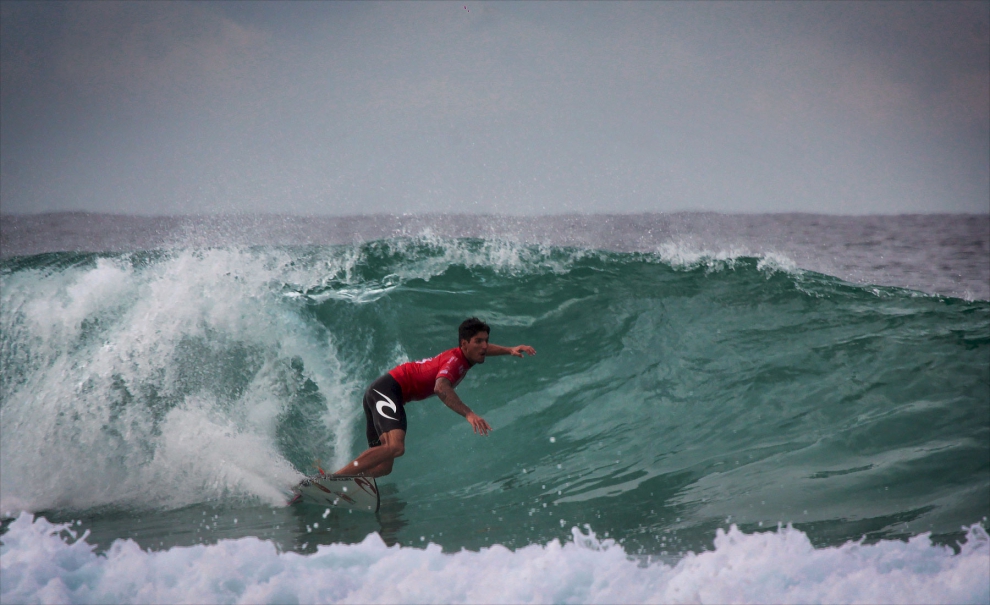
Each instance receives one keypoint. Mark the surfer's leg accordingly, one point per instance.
(385, 416)
(370, 430)
(395, 441)
(377, 461)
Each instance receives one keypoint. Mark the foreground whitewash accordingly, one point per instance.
(39, 563)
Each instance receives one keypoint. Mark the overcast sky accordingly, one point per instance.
(513, 108)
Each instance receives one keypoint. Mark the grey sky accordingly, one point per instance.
(517, 108)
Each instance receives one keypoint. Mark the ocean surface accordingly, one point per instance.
(776, 408)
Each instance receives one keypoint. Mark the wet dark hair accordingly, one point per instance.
(469, 327)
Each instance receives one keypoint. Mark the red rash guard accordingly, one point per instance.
(418, 378)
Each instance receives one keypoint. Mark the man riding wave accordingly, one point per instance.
(385, 399)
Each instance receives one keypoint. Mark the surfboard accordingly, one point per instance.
(350, 493)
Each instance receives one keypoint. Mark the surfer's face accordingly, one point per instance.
(476, 348)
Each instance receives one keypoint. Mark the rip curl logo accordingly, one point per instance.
(366, 485)
(388, 403)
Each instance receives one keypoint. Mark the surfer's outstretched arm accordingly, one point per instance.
(516, 351)
(445, 391)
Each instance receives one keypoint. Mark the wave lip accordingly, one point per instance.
(42, 562)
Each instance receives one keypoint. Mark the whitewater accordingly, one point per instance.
(723, 409)
(44, 564)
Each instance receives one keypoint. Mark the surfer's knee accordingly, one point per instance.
(394, 441)
(396, 449)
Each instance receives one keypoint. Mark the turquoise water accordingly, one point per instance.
(173, 397)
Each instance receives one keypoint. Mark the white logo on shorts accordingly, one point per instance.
(385, 404)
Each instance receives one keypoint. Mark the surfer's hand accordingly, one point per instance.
(518, 350)
(480, 426)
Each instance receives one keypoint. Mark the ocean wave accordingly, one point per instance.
(668, 394)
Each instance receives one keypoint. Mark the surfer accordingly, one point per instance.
(385, 399)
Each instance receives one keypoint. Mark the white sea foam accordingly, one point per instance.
(429, 255)
(41, 563)
(686, 255)
(159, 383)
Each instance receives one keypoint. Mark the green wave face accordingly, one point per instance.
(667, 397)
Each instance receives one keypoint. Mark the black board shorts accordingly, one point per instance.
(384, 409)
